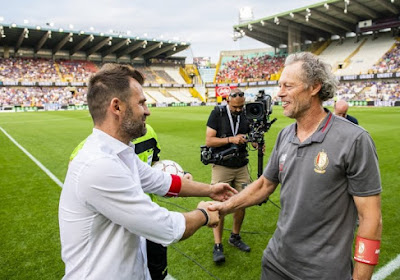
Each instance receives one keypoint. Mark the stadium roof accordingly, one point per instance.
(322, 20)
(51, 40)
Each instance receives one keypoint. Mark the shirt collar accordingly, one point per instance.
(113, 145)
(318, 136)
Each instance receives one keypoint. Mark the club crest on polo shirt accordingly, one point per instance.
(282, 160)
(321, 161)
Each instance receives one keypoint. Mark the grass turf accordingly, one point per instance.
(30, 247)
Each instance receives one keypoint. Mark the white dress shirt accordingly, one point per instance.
(105, 216)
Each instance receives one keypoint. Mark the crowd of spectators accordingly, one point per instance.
(45, 70)
(47, 97)
(390, 62)
(27, 70)
(76, 70)
(249, 68)
(369, 91)
(235, 69)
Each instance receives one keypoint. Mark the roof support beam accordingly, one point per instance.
(334, 21)
(265, 40)
(132, 48)
(62, 43)
(146, 50)
(324, 26)
(177, 49)
(349, 17)
(270, 32)
(160, 51)
(371, 13)
(42, 41)
(21, 38)
(115, 47)
(301, 27)
(389, 6)
(81, 44)
(98, 46)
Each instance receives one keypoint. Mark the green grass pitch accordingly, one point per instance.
(30, 246)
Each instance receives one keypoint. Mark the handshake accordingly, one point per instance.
(212, 217)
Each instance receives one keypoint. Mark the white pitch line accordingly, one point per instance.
(388, 269)
(38, 163)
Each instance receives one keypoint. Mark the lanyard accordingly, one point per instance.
(234, 131)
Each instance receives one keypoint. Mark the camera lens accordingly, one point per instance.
(255, 110)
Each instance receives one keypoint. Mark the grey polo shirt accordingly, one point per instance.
(319, 177)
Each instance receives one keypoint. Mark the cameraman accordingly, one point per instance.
(227, 126)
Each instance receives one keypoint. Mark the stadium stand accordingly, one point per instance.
(76, 70)
(207, 74)
(390, 62)
(159, 97)
(27, 69)
(175, 76)
(183, 95)
(251, 66)
(363, 58)
(46, 97)
(369, 91)
(31, 71)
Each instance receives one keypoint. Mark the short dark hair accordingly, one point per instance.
(111, 81)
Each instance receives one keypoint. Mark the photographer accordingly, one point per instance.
(226, 129)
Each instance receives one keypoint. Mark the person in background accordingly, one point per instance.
(341, 108)
(148, 150)
(328, 171)
(227, 126)
(104, 214)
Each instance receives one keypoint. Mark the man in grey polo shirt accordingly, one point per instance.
(328, 171)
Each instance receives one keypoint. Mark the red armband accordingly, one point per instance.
(175, 187)
(367, 250)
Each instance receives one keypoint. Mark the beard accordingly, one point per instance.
(298, 110)
(131, 127)
(236, 113)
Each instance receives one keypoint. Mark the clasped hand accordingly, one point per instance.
(213, 216)
(221, 191)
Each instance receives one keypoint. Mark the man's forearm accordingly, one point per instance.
(193, 188)
(253, 194)
(194, 220)
(370, 228)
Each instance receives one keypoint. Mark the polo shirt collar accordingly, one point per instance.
(316, 137)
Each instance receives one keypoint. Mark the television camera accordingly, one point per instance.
(257, 113)
(210, 155)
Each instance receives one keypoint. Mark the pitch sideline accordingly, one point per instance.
(38, 163)
(388, 269)
(381, 274)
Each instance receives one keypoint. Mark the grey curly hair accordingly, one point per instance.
(315, 71)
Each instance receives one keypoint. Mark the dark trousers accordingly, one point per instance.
(157, 260)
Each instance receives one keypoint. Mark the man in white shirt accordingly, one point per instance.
(104, 215)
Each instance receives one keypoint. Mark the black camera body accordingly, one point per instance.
(209, 154)
(257, 113)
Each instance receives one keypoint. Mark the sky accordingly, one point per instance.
(206, 24)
